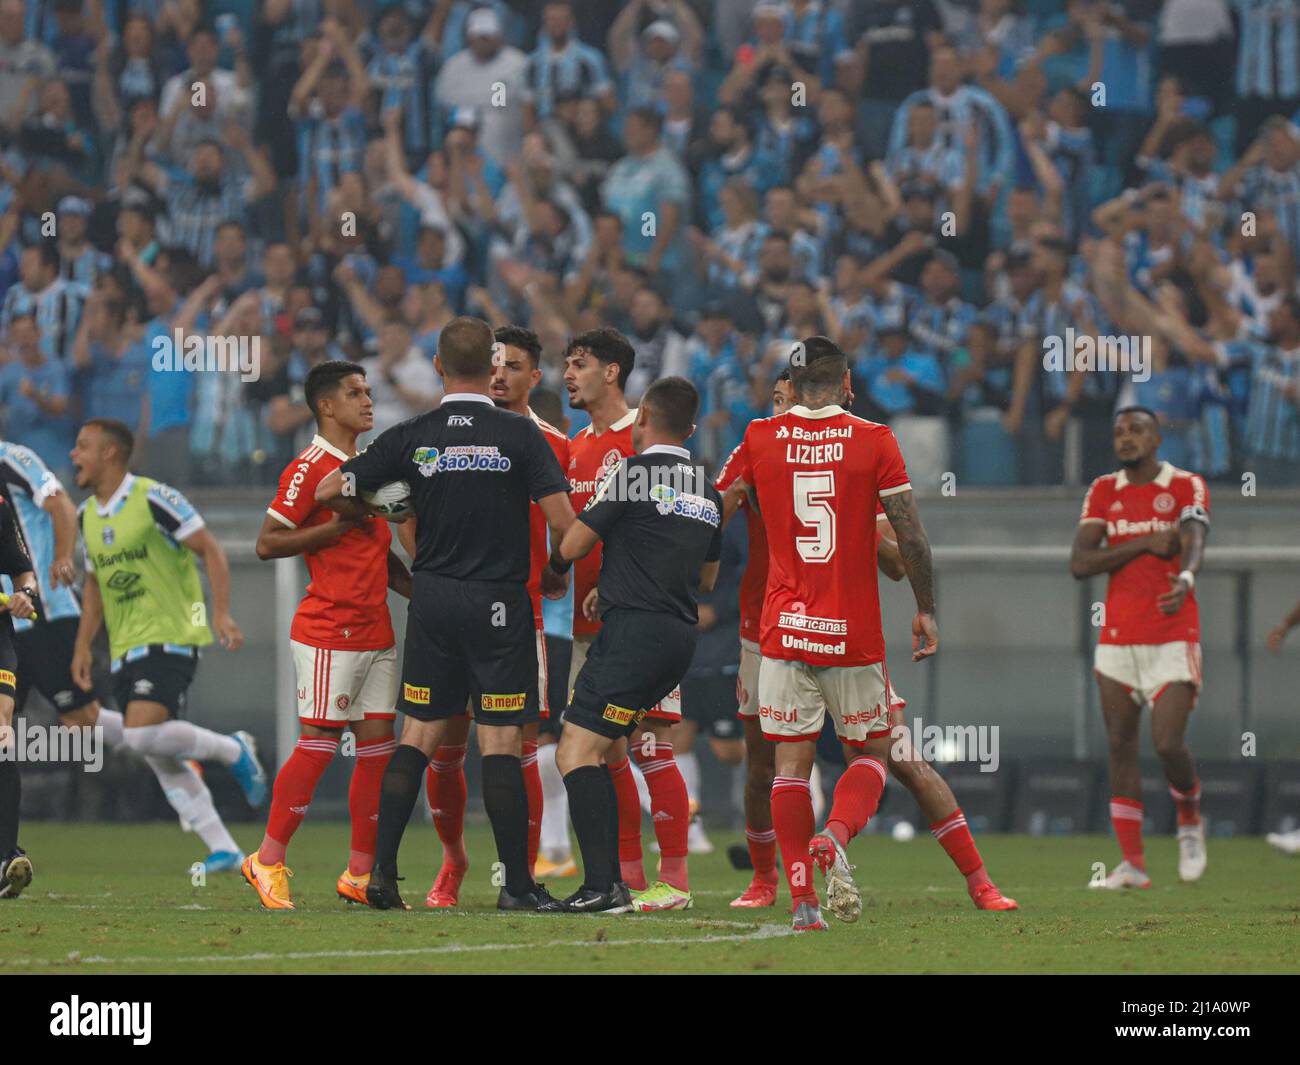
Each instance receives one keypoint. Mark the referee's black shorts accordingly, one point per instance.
(8, 660)
(45, 663)
(636, 659)
(470, 640)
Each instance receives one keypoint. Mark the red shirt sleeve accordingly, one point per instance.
(1094, 503)
(1194, 499)
(295, 499)
(737, 466)
(891, 472)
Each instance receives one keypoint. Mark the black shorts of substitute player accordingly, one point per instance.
(709, 700)
(637, 658)
(45, 663)
(155, 674)
(470, 640)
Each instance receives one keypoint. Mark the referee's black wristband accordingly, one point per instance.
(558, 563)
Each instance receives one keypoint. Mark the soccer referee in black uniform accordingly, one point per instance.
(472, 468)
(660, 519)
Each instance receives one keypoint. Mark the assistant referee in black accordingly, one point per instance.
(660, 519)
(473, 468)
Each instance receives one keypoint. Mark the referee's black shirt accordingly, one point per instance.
(472, 468)
(660, 520)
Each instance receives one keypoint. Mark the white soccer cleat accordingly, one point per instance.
(1124, 875)
(1191, 852)
(842, 894)
(1286, 842)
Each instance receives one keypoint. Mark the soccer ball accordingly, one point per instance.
(904, 832)
(391, 500)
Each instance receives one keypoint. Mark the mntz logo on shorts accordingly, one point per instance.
(414, 694)
(504, 703)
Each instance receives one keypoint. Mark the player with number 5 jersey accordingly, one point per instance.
(817, 472)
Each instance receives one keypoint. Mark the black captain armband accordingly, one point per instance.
(1194, 512)
(558, 562)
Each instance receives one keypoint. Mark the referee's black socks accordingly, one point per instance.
(506, 800)
(11, 788)
(397, 795)
(591, 809)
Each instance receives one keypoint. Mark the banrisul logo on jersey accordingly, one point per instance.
(465, 457)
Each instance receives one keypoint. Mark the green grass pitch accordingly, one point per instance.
(119, 899)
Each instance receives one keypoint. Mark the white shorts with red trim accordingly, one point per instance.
(795, 697)
(1147, 669)
(337, 687)
(667, 709)
(747, 680)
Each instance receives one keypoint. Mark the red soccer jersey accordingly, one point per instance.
(346, 605)
(591, 456)
(560, 445)
(818, 476)
(753, 585)
(1132, 510)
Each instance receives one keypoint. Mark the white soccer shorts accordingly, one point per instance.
(1147, 669)
(795, 697)
(337, 687)
(667, 709)
(747, 684)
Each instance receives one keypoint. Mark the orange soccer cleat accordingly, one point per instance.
(271, 882)
(445, 892)
(351, 886)
(759, 893)
(988, 897)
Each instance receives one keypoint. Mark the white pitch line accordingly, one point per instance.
(762, 932)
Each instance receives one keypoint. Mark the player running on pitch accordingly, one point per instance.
(932, 793)
(596, 369)
(344, 651)
(817, 471)
(141, 539)
(1153, 518)
(516, 371)
(47, 520)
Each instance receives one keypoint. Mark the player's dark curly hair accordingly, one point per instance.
(516, 336)
(606, 346)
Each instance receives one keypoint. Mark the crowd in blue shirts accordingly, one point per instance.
(950, 189)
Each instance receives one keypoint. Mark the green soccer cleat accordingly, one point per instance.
(660, 896)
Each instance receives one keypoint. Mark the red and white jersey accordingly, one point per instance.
(537, 520)
(591, 457)
(346, 605)
(753, 585)
(1131, 510)
(818, 475)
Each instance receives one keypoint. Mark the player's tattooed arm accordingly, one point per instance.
(889, 559)
(913, 547)
(1088, 558)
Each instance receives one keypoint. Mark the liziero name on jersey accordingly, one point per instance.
(806, 445)
(462, 457)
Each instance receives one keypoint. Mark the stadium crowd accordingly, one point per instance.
(938, 185)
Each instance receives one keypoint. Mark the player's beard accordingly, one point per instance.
(1131, 464)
